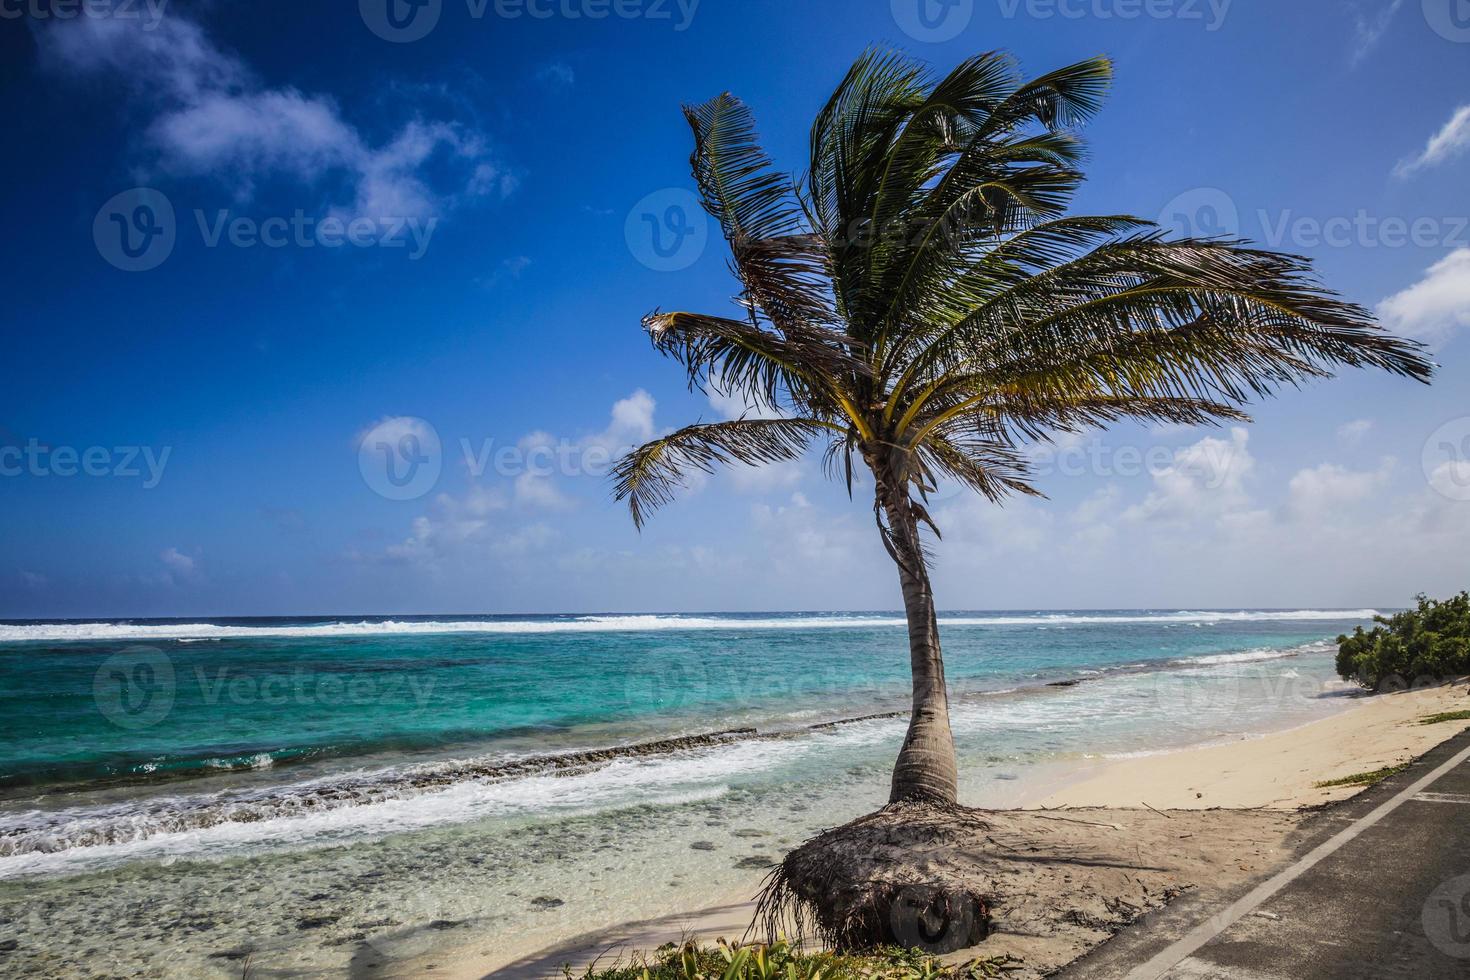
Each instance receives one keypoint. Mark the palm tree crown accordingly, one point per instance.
(922, 303)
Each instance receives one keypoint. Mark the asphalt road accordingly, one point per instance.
(1379, 890)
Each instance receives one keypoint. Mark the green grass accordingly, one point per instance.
(1364, 778)
(781, 962)
(1445, 716)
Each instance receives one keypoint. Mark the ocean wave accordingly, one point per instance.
(194, 632)
(373, 804)
(90, 827)
(1253, 656)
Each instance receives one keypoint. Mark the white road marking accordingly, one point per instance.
(1190, 943)
(1442, 797)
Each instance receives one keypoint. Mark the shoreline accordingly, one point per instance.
(1274, 772)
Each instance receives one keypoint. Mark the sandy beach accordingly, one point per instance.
(1261, 783)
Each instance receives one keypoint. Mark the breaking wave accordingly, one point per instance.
(144, 631)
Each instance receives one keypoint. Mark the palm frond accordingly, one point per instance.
(780, 264)
(649, 476)
(806, 368)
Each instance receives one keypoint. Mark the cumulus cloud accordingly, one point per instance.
(1436, 306)
(1452, 140)
(212, 116)
(179, 565)
(393, 429)
(1321, 490)
(451, 526)
(1451, 480)
(1205, 478)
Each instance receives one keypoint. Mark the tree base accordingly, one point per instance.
(868, 883)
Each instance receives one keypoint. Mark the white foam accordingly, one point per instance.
(636, 623)
(1248, 657)
(84, 838)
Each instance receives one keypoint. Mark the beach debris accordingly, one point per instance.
(317, 921)
(1266, 915)
(1085, 823)
(231, 954)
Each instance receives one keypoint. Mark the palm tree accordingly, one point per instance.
(923, 304)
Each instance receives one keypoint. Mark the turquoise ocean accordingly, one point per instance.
(330, 795)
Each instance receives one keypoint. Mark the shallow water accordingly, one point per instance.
(337, 793)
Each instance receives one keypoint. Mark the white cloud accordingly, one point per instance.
(1450, 480)
(537, 487)
(1354, 432)
(508, 269)
(179, 565)
(799, 541)
(631, 423)
(1452, 140)
(1205, 478)
(1436, 306)
(452, 528)
(172, 59)
(556, 74)
(1321, 491)
(1369, 30)
(976, 530)
(732, 403)
(392, 429)
(214, 117)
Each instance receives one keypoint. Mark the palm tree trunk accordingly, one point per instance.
(926, 770)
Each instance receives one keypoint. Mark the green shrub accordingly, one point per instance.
(781, 961)
(1431, 642)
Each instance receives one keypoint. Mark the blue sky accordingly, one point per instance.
(183, 422)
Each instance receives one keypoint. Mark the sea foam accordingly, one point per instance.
(53, 632)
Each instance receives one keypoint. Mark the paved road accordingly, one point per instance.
(1380, 890)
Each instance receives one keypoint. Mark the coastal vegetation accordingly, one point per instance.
(1430, 642)
(1372, 778)
(921, 305)
(781, 961)
(1445, 716)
